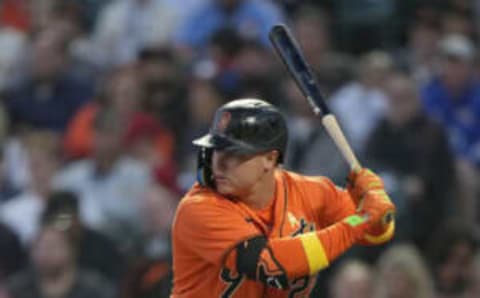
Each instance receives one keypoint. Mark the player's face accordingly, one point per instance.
(238, 175)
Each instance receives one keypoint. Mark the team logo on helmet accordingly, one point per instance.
(223, 122)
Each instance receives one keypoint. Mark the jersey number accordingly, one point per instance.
(233, 282)
(299, 285)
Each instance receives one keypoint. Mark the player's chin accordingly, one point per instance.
(225, 189)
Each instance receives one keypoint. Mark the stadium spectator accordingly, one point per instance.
(257, 73)
(419, 56)
(50, 95)
(164, 81)
(450, 255)
(147, 141)
(95, 251)
(54, 272)
(150, 274)
(353, 279)
(166, 102)
(402, 273)
(109, 184)
(252, 19)
(364, 93)
(453, 97)
(157, 64)
(405, 149)
(312, 27)
(121, 92)
(125, 27)
(22, 213)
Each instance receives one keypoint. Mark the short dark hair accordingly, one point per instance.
(61, 202)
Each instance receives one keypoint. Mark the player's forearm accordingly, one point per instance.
(313, 251)
(282, 259)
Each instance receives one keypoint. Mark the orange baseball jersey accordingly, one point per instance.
(223, 248)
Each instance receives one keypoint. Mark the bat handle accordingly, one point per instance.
(330, 123)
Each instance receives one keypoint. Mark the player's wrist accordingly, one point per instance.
(357, 224)
(378, 205)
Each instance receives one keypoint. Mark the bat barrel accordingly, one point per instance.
(291, 55)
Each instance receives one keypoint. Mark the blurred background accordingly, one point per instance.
(100, 99)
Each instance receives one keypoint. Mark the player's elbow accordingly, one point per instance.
(250, 263)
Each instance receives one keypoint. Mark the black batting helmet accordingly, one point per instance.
(246, 126)
(243, 126)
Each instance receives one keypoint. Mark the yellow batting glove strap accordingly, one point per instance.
(316, 256)
(386, 236)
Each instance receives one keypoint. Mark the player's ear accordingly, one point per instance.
(270, 159)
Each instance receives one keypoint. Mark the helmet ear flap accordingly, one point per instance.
(204, 167)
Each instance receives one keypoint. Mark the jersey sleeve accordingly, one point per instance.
(278, 261)
(210, 230)
(329, 203)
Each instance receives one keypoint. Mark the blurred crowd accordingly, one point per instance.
(100, 99)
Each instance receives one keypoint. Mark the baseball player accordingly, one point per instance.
(249, 228)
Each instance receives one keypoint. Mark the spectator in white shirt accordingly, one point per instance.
(127, 26)
(22, 213)
(110, 185)
(364, 94)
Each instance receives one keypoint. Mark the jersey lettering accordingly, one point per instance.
(232, 281)
(299, 285)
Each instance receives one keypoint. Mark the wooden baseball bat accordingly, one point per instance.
(291, 55)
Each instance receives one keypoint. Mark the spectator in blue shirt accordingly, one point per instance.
(251, 18)
(51, 93)
(453, 97)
